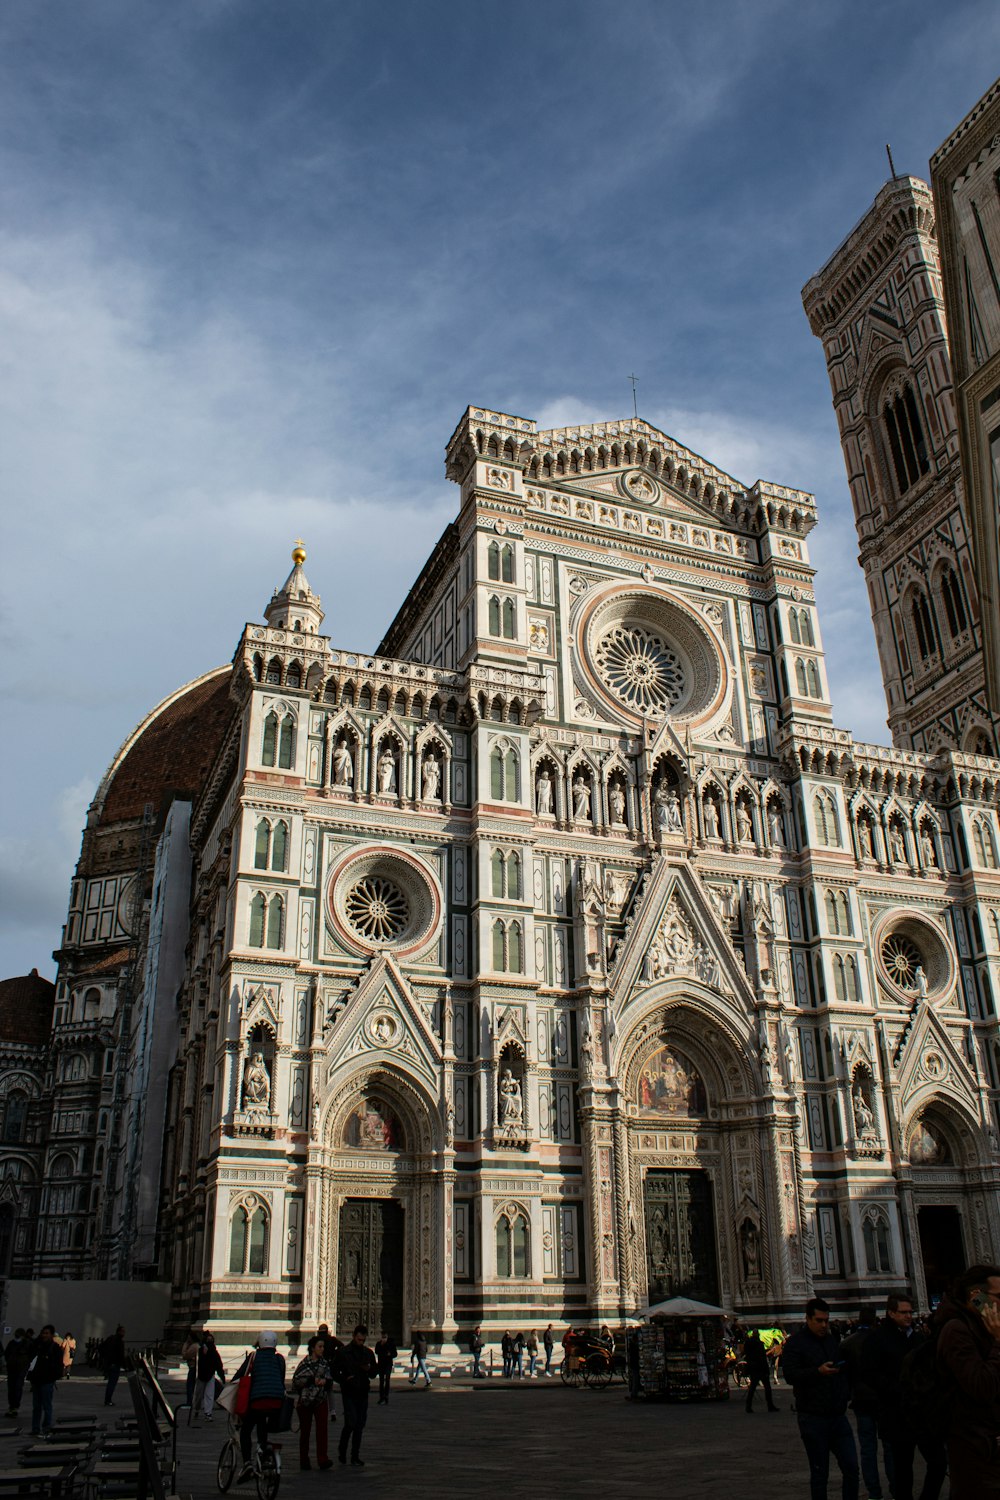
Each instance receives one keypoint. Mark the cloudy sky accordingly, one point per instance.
(257, 256)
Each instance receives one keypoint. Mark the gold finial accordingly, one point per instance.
(299, 551)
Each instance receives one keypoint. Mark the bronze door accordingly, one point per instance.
(680, 1236)
(370, 1279)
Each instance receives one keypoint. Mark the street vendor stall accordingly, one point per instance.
(682, 1352)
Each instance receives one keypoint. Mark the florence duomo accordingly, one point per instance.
(562, 953)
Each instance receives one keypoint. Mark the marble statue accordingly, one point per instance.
(897, 846)
(386, 771)
(775, 829)
(543, 792)
(581, 796)
(744, 825)
(616, 802)
(343, 765)
(711, 818)
(865, 835)
(668, 810)
(864, 1120)
(256, 1083)
(431, 779)
(511, 1108)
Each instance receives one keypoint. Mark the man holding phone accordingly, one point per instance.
(968, 1357)
(815, 1369)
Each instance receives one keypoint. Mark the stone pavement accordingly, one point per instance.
(496, 1439)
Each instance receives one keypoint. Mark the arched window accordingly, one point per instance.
(839, 981)
(293, 677)
(982, 838)
(800, 677)
(793, 622)
(257, 1258)
(805, 628)
(286, 745)
(878, 1257)
(906, 439)
(954, 605)
(258, 667)
(494, 615)
(279, 846)
(515, 963)
(508, 619)
(826, 820)
(15, 1118)
(248, 1236)
(812, 677)
(274, 672)
(257, 908)
(262, 845)
(512, 791)
(270, 744)
(851, 976)
(499, 869)
(496, 775)
(922, 624)
(493, 561)
(499, 948)
(507, 565)
(512, 1246)
(275, 921)
(514, 875)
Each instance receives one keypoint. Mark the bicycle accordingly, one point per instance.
(265, 1464)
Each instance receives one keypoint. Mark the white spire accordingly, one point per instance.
(294, 606)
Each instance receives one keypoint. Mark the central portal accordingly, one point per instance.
(680, 1236)
(370, 1280)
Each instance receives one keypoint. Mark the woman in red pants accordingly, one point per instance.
(312, 1384)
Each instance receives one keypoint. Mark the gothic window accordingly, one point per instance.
(275, 921)
(512, 1246)
(800, 677)
(507, 565)
(508, 948)
(805, 626)
(248, 1236)
(270, 745)
(954, 605)
(494, 615)
(793, 622)
(504, 775)
(286, 743)
(851, 978)
(878, 1257)
(493, 561)
(499, 869)
(812, 677)
(499, 954)
(513, 875)
(922, 624)
(982, 838)
(261, 845)
(258, 907)
(826, 820)
(15, 1119)
(273, 672)
(838, 913)
(515, 964)
(839, 980)
(906, 439)
(279, 846)
(293, 677)
(508, 619)
(258, 667)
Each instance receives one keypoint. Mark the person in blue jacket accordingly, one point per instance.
(267, 1394)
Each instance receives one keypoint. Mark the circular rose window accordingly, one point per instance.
(384, 898)
(644, 653)
(914, 956)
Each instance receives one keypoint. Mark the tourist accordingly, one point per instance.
(507, 1354)
(113, 1358)
(189, 1354)
(311, 1382)
(266, 1368)
(18, 1356)
(813, 1367)
(418, 1360)
(888, 1345)
(517, 1355)
(476, 1347)
(69, 1354)
(386, 1354)
(531, 1346)
(864, 1404)
(758, 1369)
(353, 1370)
(46, 1368)
(548, 1340)
(968, 1357)
(209, 1368)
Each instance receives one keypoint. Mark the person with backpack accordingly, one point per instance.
(758, 1369)
(887, 1367)
(266, 1395)
(813, 1366)
(864, 1404)
(968, 1362)
(208, 1370)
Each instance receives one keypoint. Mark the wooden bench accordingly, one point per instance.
(52, 1481)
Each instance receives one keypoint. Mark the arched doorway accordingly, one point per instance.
(948, 1225)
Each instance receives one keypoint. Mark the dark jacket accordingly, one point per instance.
(267, 1377)
(864, 1397)
(18, 1355)
(385, 1353)
(354, 1368)
(48, 1367)
(419, 1350)
(113, 1351)
(209, 1363)
(755, 1356)
(969, 1357)
(816, 1395)
(881, 1363)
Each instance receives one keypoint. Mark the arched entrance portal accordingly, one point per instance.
(375, 1253)
(949, 1213)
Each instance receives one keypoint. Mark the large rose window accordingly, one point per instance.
(384, 897)
(902, 959)
(640, 669)
(377, 909)
(914, 957)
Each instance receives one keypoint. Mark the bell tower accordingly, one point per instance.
(878, 309)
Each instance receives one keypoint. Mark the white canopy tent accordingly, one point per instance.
(682, 1307)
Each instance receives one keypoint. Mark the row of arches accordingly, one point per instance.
(386, 763)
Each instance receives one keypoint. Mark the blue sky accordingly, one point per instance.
(257, 258)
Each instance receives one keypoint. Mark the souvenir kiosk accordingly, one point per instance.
(682, 1352)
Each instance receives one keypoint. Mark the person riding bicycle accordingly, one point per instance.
(266, 1368)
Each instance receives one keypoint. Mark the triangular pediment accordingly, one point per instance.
(931, 1060)
(675, 932)
(384, 1022)
(616, 488)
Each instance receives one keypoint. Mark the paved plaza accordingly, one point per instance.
(499, 1439)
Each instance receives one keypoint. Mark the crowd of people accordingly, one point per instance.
(41, 1360)
(927, 1385)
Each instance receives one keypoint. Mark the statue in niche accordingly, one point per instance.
(864, 1119)
(343, 765)
(668, 810)
(865, 837)
(744, 824)
(543, 792)
(387, 771)
(750, 1247)
(711, 818)
(920, 980)
(896, 845)
(927, 851)
(256, 1083)
(431, 782)
(616, 802)
(581, 797)
(511, 1106)
(775, 829)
